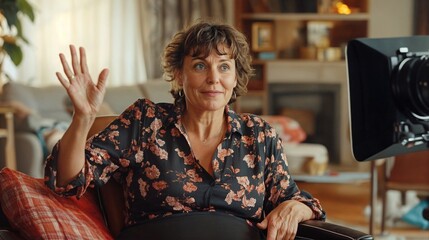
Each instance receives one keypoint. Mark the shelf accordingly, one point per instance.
(302, 61)
(290, 42)
(3, 133)
(312, 72)
(305, 16)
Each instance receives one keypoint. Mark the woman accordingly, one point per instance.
(196, 155)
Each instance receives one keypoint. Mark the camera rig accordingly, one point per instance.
(410, 86)
(388, 82)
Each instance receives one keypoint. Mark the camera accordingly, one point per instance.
(388, 86)
(410, 86)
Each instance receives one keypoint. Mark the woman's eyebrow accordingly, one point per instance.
(198, 58)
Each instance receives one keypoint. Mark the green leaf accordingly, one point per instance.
(26, 9)
(9, 10)
(14, 52)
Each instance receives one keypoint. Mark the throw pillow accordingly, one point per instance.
(19, 92)
(38, 213)
(289, 129)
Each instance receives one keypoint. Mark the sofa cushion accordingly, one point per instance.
(158, 90)
(119, 98)
(21, 93)
(289, 129)
(47, 102)
(51, 102)
(37, 213)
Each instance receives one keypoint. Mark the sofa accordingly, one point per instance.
(29, 210)
(48, 107)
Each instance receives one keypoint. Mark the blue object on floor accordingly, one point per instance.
(415, 215)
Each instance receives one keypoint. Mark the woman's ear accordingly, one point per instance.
(179, 78)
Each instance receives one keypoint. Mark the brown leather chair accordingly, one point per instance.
(113, 207)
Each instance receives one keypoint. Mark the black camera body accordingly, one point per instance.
(388, 80)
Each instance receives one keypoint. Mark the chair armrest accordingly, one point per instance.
(6, 232)
(9, 235)
(314, 229)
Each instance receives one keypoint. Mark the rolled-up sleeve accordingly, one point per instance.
(103, 154)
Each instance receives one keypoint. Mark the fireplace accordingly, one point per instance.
(315, 106)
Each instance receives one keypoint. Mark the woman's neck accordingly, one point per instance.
(207, 127)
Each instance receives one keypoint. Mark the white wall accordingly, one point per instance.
(391, 18)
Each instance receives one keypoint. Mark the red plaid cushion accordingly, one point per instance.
(38, 213)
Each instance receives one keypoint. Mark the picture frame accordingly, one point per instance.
(263, 36)
(258, 81)
(318, 33)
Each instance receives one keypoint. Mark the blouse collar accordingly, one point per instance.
(234, 120)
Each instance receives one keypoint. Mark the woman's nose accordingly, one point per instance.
(213, 76)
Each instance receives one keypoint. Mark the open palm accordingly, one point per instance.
(86, 96)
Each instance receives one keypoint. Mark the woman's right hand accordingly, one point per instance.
(85, 96)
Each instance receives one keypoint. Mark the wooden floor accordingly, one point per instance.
(345, 204)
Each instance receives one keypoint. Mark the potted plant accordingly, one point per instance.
(11, 35)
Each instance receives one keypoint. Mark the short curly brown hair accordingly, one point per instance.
(200, 39)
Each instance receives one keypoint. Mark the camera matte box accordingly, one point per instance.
(374, 113)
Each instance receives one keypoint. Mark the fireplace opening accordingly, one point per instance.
(316, 107)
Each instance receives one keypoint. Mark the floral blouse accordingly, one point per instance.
(147, 151)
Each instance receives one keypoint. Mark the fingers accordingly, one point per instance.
(66, 67)
(62, 80)
(83, 64)
(279, 234)
(75, 60)
(77, 66)
(272, 232)
(79, 69)
(263, 225)
(102, 79)
(278, 229)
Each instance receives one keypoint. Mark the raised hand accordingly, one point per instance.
(85, 95)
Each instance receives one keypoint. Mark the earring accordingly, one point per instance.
(181, 93)
(234, 95)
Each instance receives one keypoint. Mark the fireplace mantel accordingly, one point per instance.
(306, 72)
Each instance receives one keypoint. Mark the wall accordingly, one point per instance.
(391, 18)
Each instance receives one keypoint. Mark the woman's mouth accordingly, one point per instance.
(212, 93)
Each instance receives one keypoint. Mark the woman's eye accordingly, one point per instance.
(224, 67)
(199, 66)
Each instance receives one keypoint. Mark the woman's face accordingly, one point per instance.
(208, 82)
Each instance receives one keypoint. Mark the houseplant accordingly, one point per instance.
(11, 36)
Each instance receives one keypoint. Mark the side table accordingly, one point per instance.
(8, 133)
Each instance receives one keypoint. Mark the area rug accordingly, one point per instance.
(337, 177)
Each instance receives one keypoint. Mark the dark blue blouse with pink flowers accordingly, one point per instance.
(146, 150)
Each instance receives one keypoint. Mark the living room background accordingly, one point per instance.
(125, 36)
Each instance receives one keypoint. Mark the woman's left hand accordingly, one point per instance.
(282, 222)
